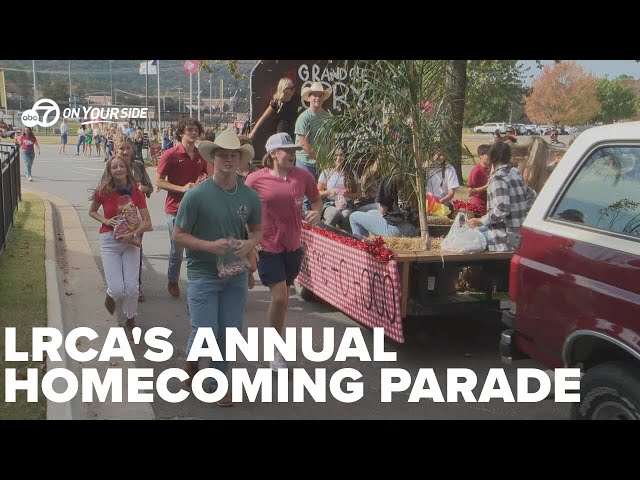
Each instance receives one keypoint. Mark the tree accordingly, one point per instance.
(56, 89)
(495, 91)
(617, 101)
(455, 86)
(564, 94)
(398, 119)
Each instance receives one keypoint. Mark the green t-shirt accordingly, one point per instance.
(209, 213)
(308, 124)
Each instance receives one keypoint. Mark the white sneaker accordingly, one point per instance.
(278, 361)
(31, 179)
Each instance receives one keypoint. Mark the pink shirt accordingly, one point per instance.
(282, 206)
(27, 143)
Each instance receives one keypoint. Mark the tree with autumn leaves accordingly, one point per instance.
(565, 94)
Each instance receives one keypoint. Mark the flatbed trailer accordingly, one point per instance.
(413, 284)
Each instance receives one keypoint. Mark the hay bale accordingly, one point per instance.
(408, 243)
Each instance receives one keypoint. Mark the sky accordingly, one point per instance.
(599, 68)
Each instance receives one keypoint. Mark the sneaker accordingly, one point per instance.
(141, 297)
(226, 400)
(128, 328)
(110, 304)
(278, 362)
(174, 289)
(191, 368)
(31, 179)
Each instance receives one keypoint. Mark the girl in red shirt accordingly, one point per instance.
(120, 256)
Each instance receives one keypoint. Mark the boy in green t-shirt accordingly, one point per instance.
(211, 224)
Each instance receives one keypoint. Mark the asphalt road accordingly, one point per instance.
(436, 343)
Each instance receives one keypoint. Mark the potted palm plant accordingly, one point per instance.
(396, 116)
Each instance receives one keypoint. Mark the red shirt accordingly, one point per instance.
(110, 204)
(180, 169)
(282, 206)
(478, 177)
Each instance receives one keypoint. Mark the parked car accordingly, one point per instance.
(520, 128)
(573, 289)
(490, 128)
(577, 131)
(544, 129)
(6, 130)
(531, 129)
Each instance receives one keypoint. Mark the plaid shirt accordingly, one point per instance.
(508, 202)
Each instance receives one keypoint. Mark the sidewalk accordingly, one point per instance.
(75, 298)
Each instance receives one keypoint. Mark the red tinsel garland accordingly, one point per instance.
(462, 205)
(375, 248)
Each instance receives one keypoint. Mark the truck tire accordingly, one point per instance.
(610, 391)
(305, 294)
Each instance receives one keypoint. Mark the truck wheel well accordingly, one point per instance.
(591, 351)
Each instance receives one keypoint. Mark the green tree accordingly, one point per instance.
(56, 89)
(495, 91)
(617, 101)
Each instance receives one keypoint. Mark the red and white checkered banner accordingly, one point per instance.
(354, 282)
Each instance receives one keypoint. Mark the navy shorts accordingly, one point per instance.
(63, 139)
(277, 267)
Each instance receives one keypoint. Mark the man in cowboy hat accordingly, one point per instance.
(211, 224)
(307, 126)
(179, 169)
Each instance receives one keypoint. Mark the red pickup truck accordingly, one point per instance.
(575, 278)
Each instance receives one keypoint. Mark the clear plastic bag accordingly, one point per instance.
(128, 217)
(340, 201)
(462, 238)
(229, 265)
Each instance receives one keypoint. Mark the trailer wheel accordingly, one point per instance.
(305, 294)
(610, 391)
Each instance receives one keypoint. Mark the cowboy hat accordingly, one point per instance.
(227, 140)
(315, 87)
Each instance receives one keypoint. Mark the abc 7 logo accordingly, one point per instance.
(31, 118)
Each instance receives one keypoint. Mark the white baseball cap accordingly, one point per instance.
(281, 140)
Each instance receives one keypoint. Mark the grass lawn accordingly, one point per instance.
(23, 301)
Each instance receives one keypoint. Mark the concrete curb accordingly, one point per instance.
(55, 411)
(81, 305)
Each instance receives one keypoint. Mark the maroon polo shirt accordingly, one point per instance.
(179, 169)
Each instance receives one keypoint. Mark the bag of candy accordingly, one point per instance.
(229, 265)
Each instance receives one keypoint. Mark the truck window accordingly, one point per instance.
(606, 192)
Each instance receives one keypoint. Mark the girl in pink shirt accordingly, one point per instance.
(27, 143)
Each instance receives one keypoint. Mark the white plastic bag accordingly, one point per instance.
(462, 238)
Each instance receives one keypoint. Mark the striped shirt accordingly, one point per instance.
(508, 202)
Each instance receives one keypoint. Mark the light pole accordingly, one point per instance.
(70, 84)
(209, 98)
(110, 79)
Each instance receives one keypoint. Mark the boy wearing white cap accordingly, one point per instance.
(282, 187)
